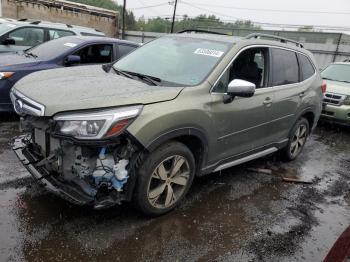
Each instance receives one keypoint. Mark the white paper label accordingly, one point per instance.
(70, 44)
(208, 52)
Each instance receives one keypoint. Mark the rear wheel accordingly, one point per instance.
(164, 178)
(297, 139)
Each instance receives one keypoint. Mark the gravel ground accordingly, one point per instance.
(235, 215)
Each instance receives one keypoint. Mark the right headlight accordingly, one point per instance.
(96, 125)
(347, 101)
(5, 75)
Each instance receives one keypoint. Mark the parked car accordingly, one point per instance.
(337, 98)
(19, 35)
(63, 52)
(182, 105)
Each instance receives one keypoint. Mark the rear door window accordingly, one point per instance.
(306, 68)
(27, 36)
(96, 54)
(55, 33)
(285, 68)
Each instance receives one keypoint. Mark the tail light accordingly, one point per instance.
(324, 86)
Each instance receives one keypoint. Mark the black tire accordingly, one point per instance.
(149, 175)
(288, 153)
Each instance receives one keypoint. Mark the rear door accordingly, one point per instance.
(57, 33)
(288, 92)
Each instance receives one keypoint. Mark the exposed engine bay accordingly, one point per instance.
(99, 173)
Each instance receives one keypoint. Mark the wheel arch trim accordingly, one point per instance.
(181, 132)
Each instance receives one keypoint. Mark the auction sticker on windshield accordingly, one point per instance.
(208, 52)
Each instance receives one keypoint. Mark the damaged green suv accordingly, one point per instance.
(181, 106)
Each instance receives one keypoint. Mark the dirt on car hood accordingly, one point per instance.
(89, 87)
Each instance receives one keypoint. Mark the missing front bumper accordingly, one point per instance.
(66, 191)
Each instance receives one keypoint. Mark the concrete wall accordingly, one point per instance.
(63, 12)
(326, 47)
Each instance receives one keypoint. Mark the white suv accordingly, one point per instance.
(19, 35)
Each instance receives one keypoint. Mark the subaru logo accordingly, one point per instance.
(19, 107)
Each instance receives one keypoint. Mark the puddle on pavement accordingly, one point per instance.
(205, 227)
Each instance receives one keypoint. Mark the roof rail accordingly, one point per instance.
(35, 22)
(275, 37)
(200, 31)
(22, 19)
(69, 26)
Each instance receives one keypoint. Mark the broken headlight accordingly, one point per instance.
(96, 125)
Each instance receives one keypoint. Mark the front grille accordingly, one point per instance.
(26, 106)
(333, 99)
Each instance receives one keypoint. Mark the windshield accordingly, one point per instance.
(337, 72)
(6, 27)
(54, 48)
(177, 60)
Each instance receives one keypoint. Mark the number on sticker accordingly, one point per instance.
(208, 52)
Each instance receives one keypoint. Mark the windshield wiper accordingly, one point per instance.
(30, 54)
(150, 79)
(123, 73)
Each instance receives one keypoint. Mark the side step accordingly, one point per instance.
(246, 159)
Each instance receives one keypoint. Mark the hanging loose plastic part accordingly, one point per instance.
(120, 174)
(108, 172)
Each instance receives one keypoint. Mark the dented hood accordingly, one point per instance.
(89, 87)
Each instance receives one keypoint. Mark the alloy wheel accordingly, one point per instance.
(168, 181)
(298, 140)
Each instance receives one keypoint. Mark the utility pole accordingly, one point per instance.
(173, 23)
(123, 26)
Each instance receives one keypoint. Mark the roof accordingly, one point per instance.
(38, 23)
(236, 39)
(95, 39)
(341, 63)
(81, 5)
(212, 37)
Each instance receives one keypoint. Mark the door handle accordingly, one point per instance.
(267, 102)
(302, 94)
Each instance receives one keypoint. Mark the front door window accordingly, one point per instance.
(27, 36)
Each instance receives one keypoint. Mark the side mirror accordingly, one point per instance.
(72, 59)
(238, 87)
(9, 41)
(107, 67)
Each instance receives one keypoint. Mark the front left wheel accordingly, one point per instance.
(164, 178)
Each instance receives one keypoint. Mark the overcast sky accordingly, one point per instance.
(301, 12)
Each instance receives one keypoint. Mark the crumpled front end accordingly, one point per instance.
(96, 173)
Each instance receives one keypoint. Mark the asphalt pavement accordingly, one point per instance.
(235, 215)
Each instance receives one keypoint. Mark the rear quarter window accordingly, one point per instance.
(285, 68)
(306, 68)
